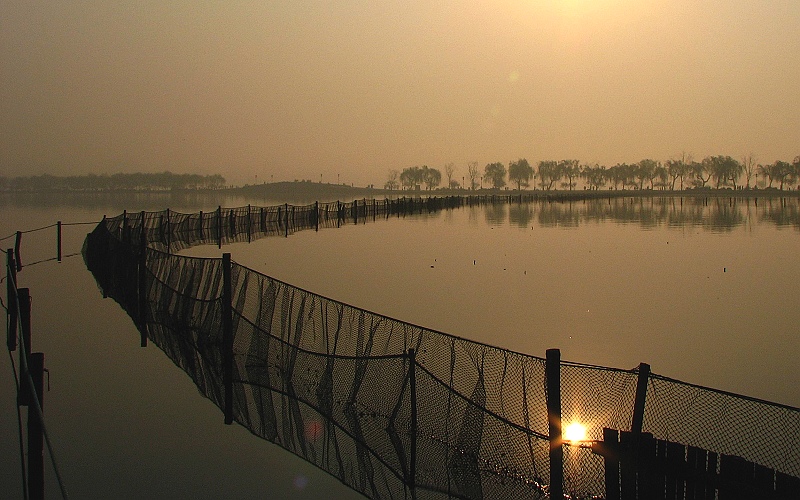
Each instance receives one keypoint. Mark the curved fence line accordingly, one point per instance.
(393, 410)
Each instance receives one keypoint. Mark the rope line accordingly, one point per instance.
(80, 223)
(38, 229)
(25, 231)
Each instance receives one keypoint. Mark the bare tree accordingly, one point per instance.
(749, 168)
(473, 172)
(393, 182)
(449, 170)
(679, 169)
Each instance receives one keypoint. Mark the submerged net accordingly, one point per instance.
(391, 409)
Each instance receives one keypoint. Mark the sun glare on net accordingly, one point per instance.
(575, 432)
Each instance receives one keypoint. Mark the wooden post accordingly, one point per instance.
(286, 215)
(58, 241)
(219, 226)
(412, 383)
(249, 223)
(126, 234)
(24, 297)
(553, 378)
(316, 216)
(142, 284)
(142, 229)
(35, 432)
(611, 455)
(641, 393)
(227, 336)
(168, 231)
(11, 290)
(17, 243)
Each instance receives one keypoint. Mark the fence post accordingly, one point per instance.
(126, 230)
(24, 297)
(249, 223)
(286, 215)
(611, 455)
(316, 216)
(142, 288)
(219, 226)
(58, 241)
(169, 232)
(227, 336)
(553, 378)
(17, 243)
(35, 433)
(412, 381)
(641, 393)
(11, 290)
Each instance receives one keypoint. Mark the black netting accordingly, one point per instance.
(392, 409)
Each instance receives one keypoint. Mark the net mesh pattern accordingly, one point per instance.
(392, 409)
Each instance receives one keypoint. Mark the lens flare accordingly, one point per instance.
(575, 432)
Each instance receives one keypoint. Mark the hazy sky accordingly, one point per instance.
(297, 89)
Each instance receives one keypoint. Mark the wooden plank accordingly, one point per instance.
(676, 463)
(627, 466)
(611, 454)
(763, 481)
(695, 463)
(736, 475)
(786, 487)
(711, 485)
(649, 484)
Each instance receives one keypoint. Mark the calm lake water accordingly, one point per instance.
(704, 290)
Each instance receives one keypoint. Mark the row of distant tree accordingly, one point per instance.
(682, 173)
(164, 181)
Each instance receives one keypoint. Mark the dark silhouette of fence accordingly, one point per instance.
(395, 410)
(641, 467)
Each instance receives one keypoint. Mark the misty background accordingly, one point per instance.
(344, 91)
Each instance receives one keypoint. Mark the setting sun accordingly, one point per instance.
(574, 432)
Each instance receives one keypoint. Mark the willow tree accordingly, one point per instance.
(496, 173)
(520, 172)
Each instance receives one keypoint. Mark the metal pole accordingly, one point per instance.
(553, 377)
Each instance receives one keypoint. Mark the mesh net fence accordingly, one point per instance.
(392, 409)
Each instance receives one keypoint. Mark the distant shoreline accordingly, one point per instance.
(311, 190)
